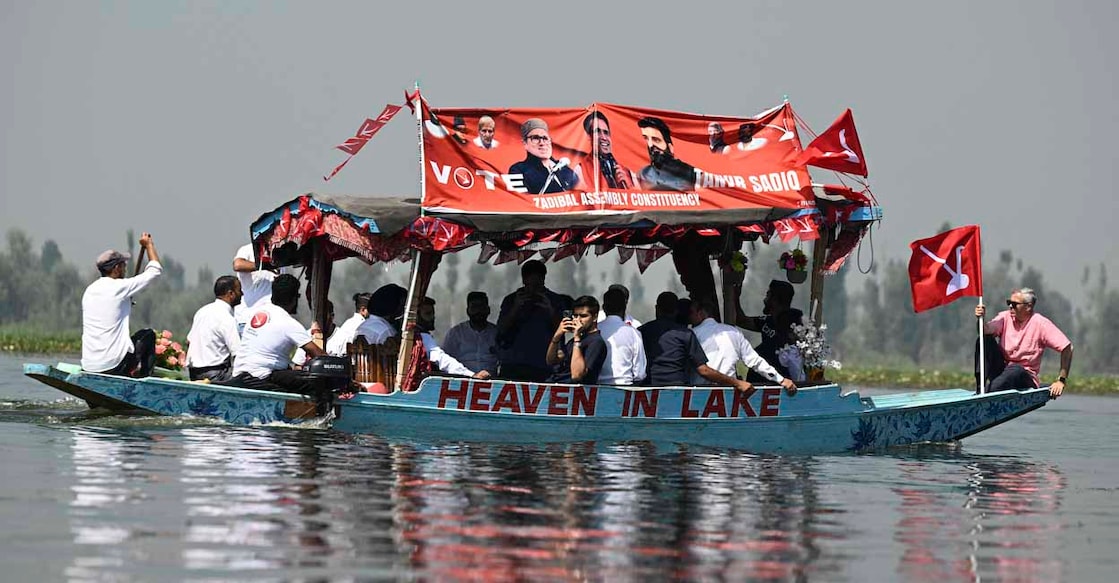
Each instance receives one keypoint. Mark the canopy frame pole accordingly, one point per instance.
(816, 291)
(424, 264)
(319, 292)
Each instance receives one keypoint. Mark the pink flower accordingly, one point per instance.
(166, 334)
(160, 349)
(172, 361)
(182, 357)
(176, 347)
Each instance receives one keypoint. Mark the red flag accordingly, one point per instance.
(368, 129)
(946, 268)
(786, 229)
(837, 148)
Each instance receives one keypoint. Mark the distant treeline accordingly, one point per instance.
(869, 316)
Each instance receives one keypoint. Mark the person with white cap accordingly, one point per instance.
(106, 307)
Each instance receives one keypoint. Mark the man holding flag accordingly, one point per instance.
(1023, 337)
(946, 268)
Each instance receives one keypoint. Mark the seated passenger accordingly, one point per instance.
(272, 334)
(725, 346)
(347, 331)
(628, 319)
(673, 351)
(425, 325)
(386, 305)
(474, 342)
(583, 356)
(213, 337)
(625, 353)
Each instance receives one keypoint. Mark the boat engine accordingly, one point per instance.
(331, 374)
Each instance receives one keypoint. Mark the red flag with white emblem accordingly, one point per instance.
(946, 268)
(837, 148)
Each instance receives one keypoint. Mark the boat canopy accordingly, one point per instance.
(381, 229)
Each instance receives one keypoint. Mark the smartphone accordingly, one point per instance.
(568, 314)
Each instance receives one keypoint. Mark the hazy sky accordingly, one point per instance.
(189, 119)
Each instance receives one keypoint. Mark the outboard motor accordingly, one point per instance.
(331, 374)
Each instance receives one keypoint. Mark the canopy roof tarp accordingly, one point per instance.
(387, 228)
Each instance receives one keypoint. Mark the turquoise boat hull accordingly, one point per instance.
(816, 420)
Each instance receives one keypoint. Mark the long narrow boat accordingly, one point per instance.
(468, 200)
(816, 420)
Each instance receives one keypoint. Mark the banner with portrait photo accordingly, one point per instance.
(610, 164)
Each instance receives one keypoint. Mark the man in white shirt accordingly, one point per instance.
(213, 334)
(256, 284)
(630, 320)
(106, 307)
(725, 346)
(347, 331)
(386, 305)
(425, 325)
(264, 359)
(474, 342)
(625, 350)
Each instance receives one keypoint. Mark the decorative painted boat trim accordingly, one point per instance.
(172, 397)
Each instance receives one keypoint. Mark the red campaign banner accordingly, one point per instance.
(609, 158)
(946, 267)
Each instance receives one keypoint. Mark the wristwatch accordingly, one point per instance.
(1062, 379)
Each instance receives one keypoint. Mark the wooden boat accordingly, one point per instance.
(450, 216)
(816, 420)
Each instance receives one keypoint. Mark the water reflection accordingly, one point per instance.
(298, 504)
(109, 483)
(1001, 526)
(620, 512)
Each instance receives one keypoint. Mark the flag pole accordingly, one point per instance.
(411, 305)
(982, 353)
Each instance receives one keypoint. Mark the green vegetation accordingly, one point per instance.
(958, 379)
(30, 341)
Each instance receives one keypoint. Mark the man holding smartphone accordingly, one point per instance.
(583, 356)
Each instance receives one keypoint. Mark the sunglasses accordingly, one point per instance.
(1015, 304)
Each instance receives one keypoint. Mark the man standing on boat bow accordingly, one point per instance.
(1023, 337)
(106, 307)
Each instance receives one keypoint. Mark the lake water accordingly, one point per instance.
(109, 498)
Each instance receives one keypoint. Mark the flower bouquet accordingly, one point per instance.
(168, 353)
(734, 267)
(809, 354)
(795, 264)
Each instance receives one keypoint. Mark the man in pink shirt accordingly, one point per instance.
(1023, 336)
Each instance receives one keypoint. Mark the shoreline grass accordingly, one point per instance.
(35, 342)
(28, 341)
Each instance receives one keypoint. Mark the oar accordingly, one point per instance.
(139, 261)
